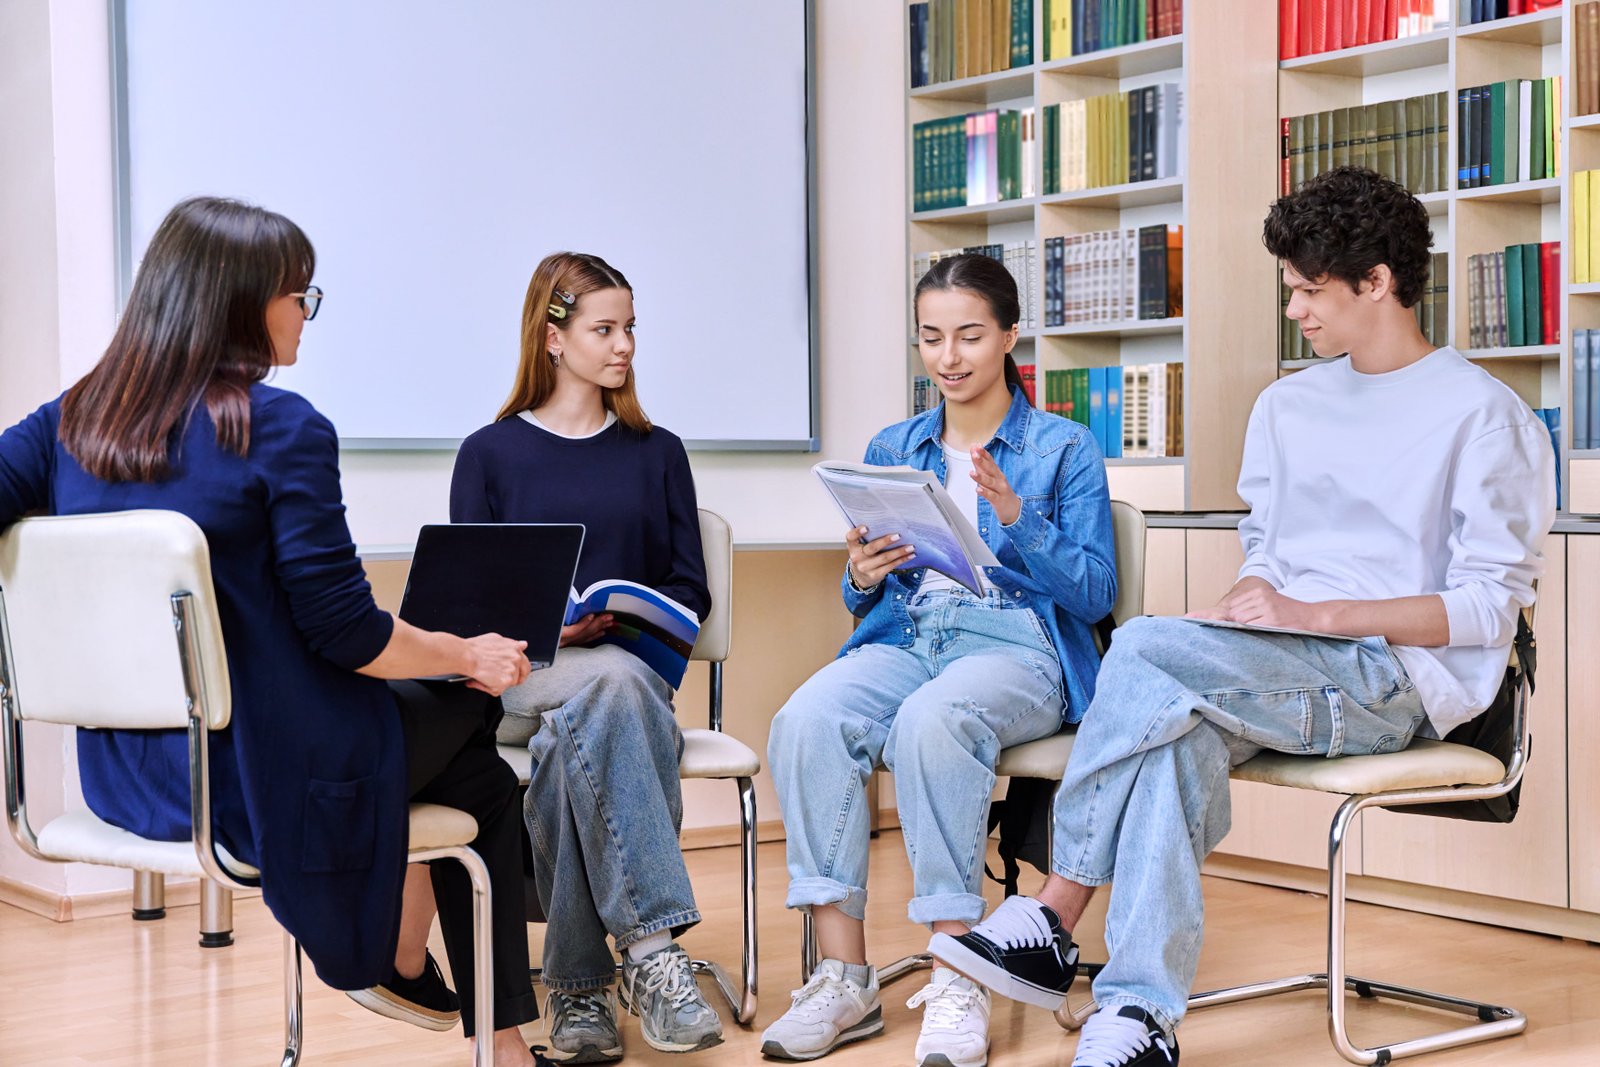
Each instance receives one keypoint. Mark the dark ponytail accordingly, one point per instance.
(989, 279)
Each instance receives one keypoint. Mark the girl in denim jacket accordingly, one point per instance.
(936, 679)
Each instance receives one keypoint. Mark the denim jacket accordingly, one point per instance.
(1058, 558)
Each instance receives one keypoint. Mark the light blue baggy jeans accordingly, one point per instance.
(1176, 705)
(980, 675)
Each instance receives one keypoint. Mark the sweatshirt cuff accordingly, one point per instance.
(363, 642)
(1256, 570)
(1471, 621)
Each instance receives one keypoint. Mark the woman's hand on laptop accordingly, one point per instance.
(495, 663)
(586, 630)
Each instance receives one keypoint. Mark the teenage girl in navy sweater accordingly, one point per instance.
(572, 444)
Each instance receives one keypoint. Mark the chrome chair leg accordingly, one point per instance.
(742, 1002)
(216, 915)
(149, 896)
(293, 1002)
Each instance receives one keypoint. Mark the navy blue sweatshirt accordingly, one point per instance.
(633, 492)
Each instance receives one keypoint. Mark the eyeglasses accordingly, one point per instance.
(310, 301)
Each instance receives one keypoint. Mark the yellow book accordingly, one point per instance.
(1555, 126)
(1594, 217)
(961, 37)
(1000, 35)
(1120, 136)
(1062, 46)
(1580, 228)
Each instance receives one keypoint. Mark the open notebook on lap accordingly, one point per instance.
(512, 579)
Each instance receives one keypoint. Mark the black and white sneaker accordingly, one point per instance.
(1020, 952)
(1128, 1037)
(423, 1001)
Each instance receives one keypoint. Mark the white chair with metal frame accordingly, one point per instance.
(122, 585)
(712, 754)
(1046, 757)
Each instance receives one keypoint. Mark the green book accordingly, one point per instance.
(1549, 127)
(1516, 282)
(1384, 162)
(1340, 142)
(1416, 134)
(1538, 162)
(1369, 138)
(1513, 138)
(1080, 396)
(1532, 320)
(1495, 171)
(1443, 110)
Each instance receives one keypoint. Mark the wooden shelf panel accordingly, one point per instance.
(1145, 461)
(1146, 57)
(1386, 57)
(1525, 353)
(1586, 289)
(1540, 28)
(1547, 191)
(984, 89)
(1125, 328)
(1131, 194)
(1584, 122)
(985, 214)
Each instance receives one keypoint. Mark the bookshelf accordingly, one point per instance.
(1472, 221)
(1224, 61)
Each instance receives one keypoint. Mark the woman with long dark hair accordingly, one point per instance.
(937, 678)
(572, 444)
(311, 781)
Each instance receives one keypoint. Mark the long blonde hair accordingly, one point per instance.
(573, 275)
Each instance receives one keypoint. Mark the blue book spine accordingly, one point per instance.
(1552, 420)
(1591, 391)
(1097, 405)
(1580, 389)
(1113, 440)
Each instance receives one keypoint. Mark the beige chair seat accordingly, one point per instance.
(706, 754)
(1424, 765)
(1045, 758)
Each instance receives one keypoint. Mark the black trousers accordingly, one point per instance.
(451, 760)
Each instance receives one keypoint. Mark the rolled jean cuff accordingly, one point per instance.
(576, 985)
(1163, 1020)
(1080, 877)
(946, 907)
(677, 922)
(806, 893)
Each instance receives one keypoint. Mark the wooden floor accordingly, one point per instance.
(116, 993)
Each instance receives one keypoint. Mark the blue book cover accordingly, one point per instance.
(1551, 417)
(1112, 444)
(1580, 389)
(1097, 405)
(649, 624)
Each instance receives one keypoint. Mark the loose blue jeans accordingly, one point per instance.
(1145, 796)
(980, 675)
(603, 810)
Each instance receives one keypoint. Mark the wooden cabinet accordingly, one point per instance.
(1165, 570)
(1583, 719)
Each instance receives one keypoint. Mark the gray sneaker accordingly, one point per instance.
(661, 991)
(583, 1027)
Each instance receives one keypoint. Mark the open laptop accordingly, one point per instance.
(512, 579)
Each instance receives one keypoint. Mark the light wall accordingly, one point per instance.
(57, 308)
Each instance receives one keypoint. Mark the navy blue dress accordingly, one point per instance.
(309, 781)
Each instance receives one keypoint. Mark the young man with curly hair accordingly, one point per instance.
(1398, 497)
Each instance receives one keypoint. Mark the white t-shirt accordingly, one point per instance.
(610, 420)
(1434, 478)
(964, 491)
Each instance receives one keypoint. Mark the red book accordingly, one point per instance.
(1283, 140)
(1515, 8)
(1550, 290)
(1288, 29)
(1151, 15)
(1319, 27)
(1363, 22)
(1336, 39)
(1308, 19)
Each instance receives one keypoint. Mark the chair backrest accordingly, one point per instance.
(88, 616)
(1128, 530)
(716, 629)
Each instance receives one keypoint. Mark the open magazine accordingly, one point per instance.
(911, 503)
(650, 624)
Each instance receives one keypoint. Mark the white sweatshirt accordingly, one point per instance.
(1434, 478)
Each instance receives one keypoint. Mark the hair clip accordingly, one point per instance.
(556, 310)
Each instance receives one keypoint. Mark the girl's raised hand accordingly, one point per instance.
(993, 487)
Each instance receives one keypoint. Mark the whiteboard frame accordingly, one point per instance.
(122, 216)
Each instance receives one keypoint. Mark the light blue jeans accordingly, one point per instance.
(980, 675)
(1177, 705)
(603, 808)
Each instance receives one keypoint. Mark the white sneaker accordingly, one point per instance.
(955, 1021)
(828, 1011)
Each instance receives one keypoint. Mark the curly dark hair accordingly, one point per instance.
(1345, 222)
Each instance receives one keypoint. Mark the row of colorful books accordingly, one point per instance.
(1133, 412)
(980, 158)
(1077, 27)
(1019, 257)
(1490, 10)
(953, 39)
(1585, 248)
(1585, 389)
(1433, 313)
(1586, 58)
(1115, 138)
(1407, 140)
(1508, 132)
(1311, 27)
(1114, 275)
(1514, 297)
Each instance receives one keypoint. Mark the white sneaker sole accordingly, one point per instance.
(708, 1041)
(871, 1026)
(378, 1001)
(959, 957)
(939, 1059)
